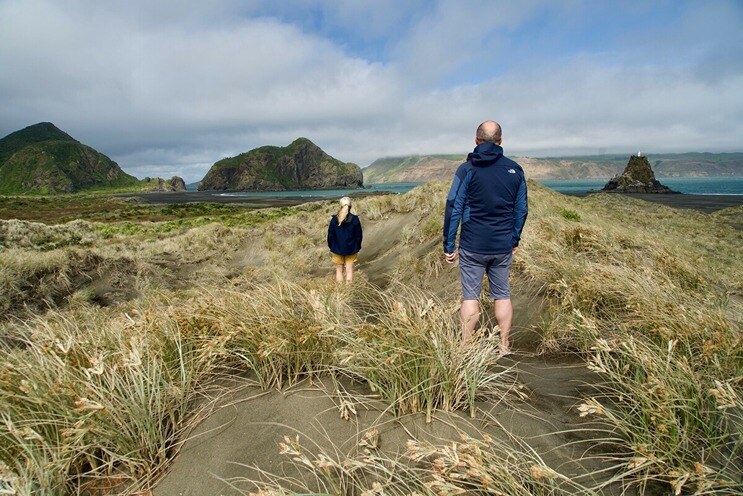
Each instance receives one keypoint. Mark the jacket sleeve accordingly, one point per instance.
(358, 233)
(331, 234)
(520, 211)
(454, 207)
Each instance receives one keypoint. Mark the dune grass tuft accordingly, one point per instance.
(464, 466)
(409, 351)
(86, 397)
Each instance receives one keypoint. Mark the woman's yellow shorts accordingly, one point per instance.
(344, 259)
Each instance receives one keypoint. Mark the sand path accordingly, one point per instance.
(245, 427)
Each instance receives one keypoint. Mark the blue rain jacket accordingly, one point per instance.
(345, 239)
(488, 197)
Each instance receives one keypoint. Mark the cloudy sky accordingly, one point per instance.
(168, 87)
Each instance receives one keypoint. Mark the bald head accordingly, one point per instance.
(489, 131)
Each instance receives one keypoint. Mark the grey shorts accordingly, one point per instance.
(472, 266)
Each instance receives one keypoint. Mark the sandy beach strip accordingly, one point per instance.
(702, 203)
(245, 199)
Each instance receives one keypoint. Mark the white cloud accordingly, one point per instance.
(450, 34)
(171, 87)
(116, 84)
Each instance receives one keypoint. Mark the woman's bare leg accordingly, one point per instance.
(349, 271)
(338, 272)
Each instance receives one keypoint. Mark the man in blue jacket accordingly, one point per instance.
(488, 197)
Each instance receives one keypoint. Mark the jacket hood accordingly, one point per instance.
(485, 154)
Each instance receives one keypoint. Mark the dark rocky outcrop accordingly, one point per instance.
(175, 183)
(42, 159)
(301, 165)
(638, 177)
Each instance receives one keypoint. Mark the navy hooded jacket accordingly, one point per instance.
(345, 239)
(488, 196)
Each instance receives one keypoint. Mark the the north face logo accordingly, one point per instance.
(512, 171)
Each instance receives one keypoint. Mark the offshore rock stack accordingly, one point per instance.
(175, 183)
(638, 177)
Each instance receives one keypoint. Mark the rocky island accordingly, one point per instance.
(158, 184)
(301, 165)
(638, 177)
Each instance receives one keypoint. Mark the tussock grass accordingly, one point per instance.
(464, 466)
(642, 278)
(281, 332)
(732, 216)
(32, 282)
(30, 279)
(408, 350)
(422, 199)
(649, 295)
(663, 409)
(22, 234)
(87, 397)
(91, 394)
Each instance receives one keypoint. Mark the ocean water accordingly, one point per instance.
(690, 185)
(326, 193)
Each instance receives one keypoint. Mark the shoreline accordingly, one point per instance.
(703, 203)
(258, 201)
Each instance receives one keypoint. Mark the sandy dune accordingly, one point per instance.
(244, 429)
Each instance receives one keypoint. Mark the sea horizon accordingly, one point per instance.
(714, 186)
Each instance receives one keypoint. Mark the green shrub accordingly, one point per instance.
(570, 215)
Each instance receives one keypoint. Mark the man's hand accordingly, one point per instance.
(451, 257)
(515, 249)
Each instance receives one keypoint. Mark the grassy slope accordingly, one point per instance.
(44, 131)
(41, 159)
(647, 294)
(56, 166)
(387, 169)
(667, 164)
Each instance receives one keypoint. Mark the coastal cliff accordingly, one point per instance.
(301, 165)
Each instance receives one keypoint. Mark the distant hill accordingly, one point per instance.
(42, 159)
(663, 164)
(301, 165)
(413, 168)
(422, 168)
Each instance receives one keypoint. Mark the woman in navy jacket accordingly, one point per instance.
(344, 240)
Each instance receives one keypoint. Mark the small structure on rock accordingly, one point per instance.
(638, 177)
